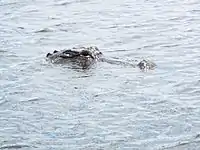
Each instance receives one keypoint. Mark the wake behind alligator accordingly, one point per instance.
(85, 57)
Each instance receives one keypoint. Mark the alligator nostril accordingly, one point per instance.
(142, 65)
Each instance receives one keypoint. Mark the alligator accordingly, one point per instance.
(86, 56)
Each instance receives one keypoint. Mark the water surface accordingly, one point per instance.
(46, 106)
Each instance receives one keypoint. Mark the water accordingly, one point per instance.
(46, 106)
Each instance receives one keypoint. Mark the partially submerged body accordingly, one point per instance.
(86, 56)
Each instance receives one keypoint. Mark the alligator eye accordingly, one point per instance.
(55, 51)
(86, 53)
(49, 54)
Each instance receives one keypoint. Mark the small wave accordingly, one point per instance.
(189, 143)
(20, 27)
(8, 4)
(32, 100)
(183, 145)
(44, 30)
(3, 102)
(2, 51)
(64, 3)
(14, 146)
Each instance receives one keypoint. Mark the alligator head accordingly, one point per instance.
(83, 56)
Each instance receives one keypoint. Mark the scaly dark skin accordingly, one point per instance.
(85, 56)
(86, 53)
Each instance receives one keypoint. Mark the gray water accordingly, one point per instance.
(110, 106)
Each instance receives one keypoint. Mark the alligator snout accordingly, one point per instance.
(145, 64)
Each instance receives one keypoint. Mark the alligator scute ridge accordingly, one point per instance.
(86, 56)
